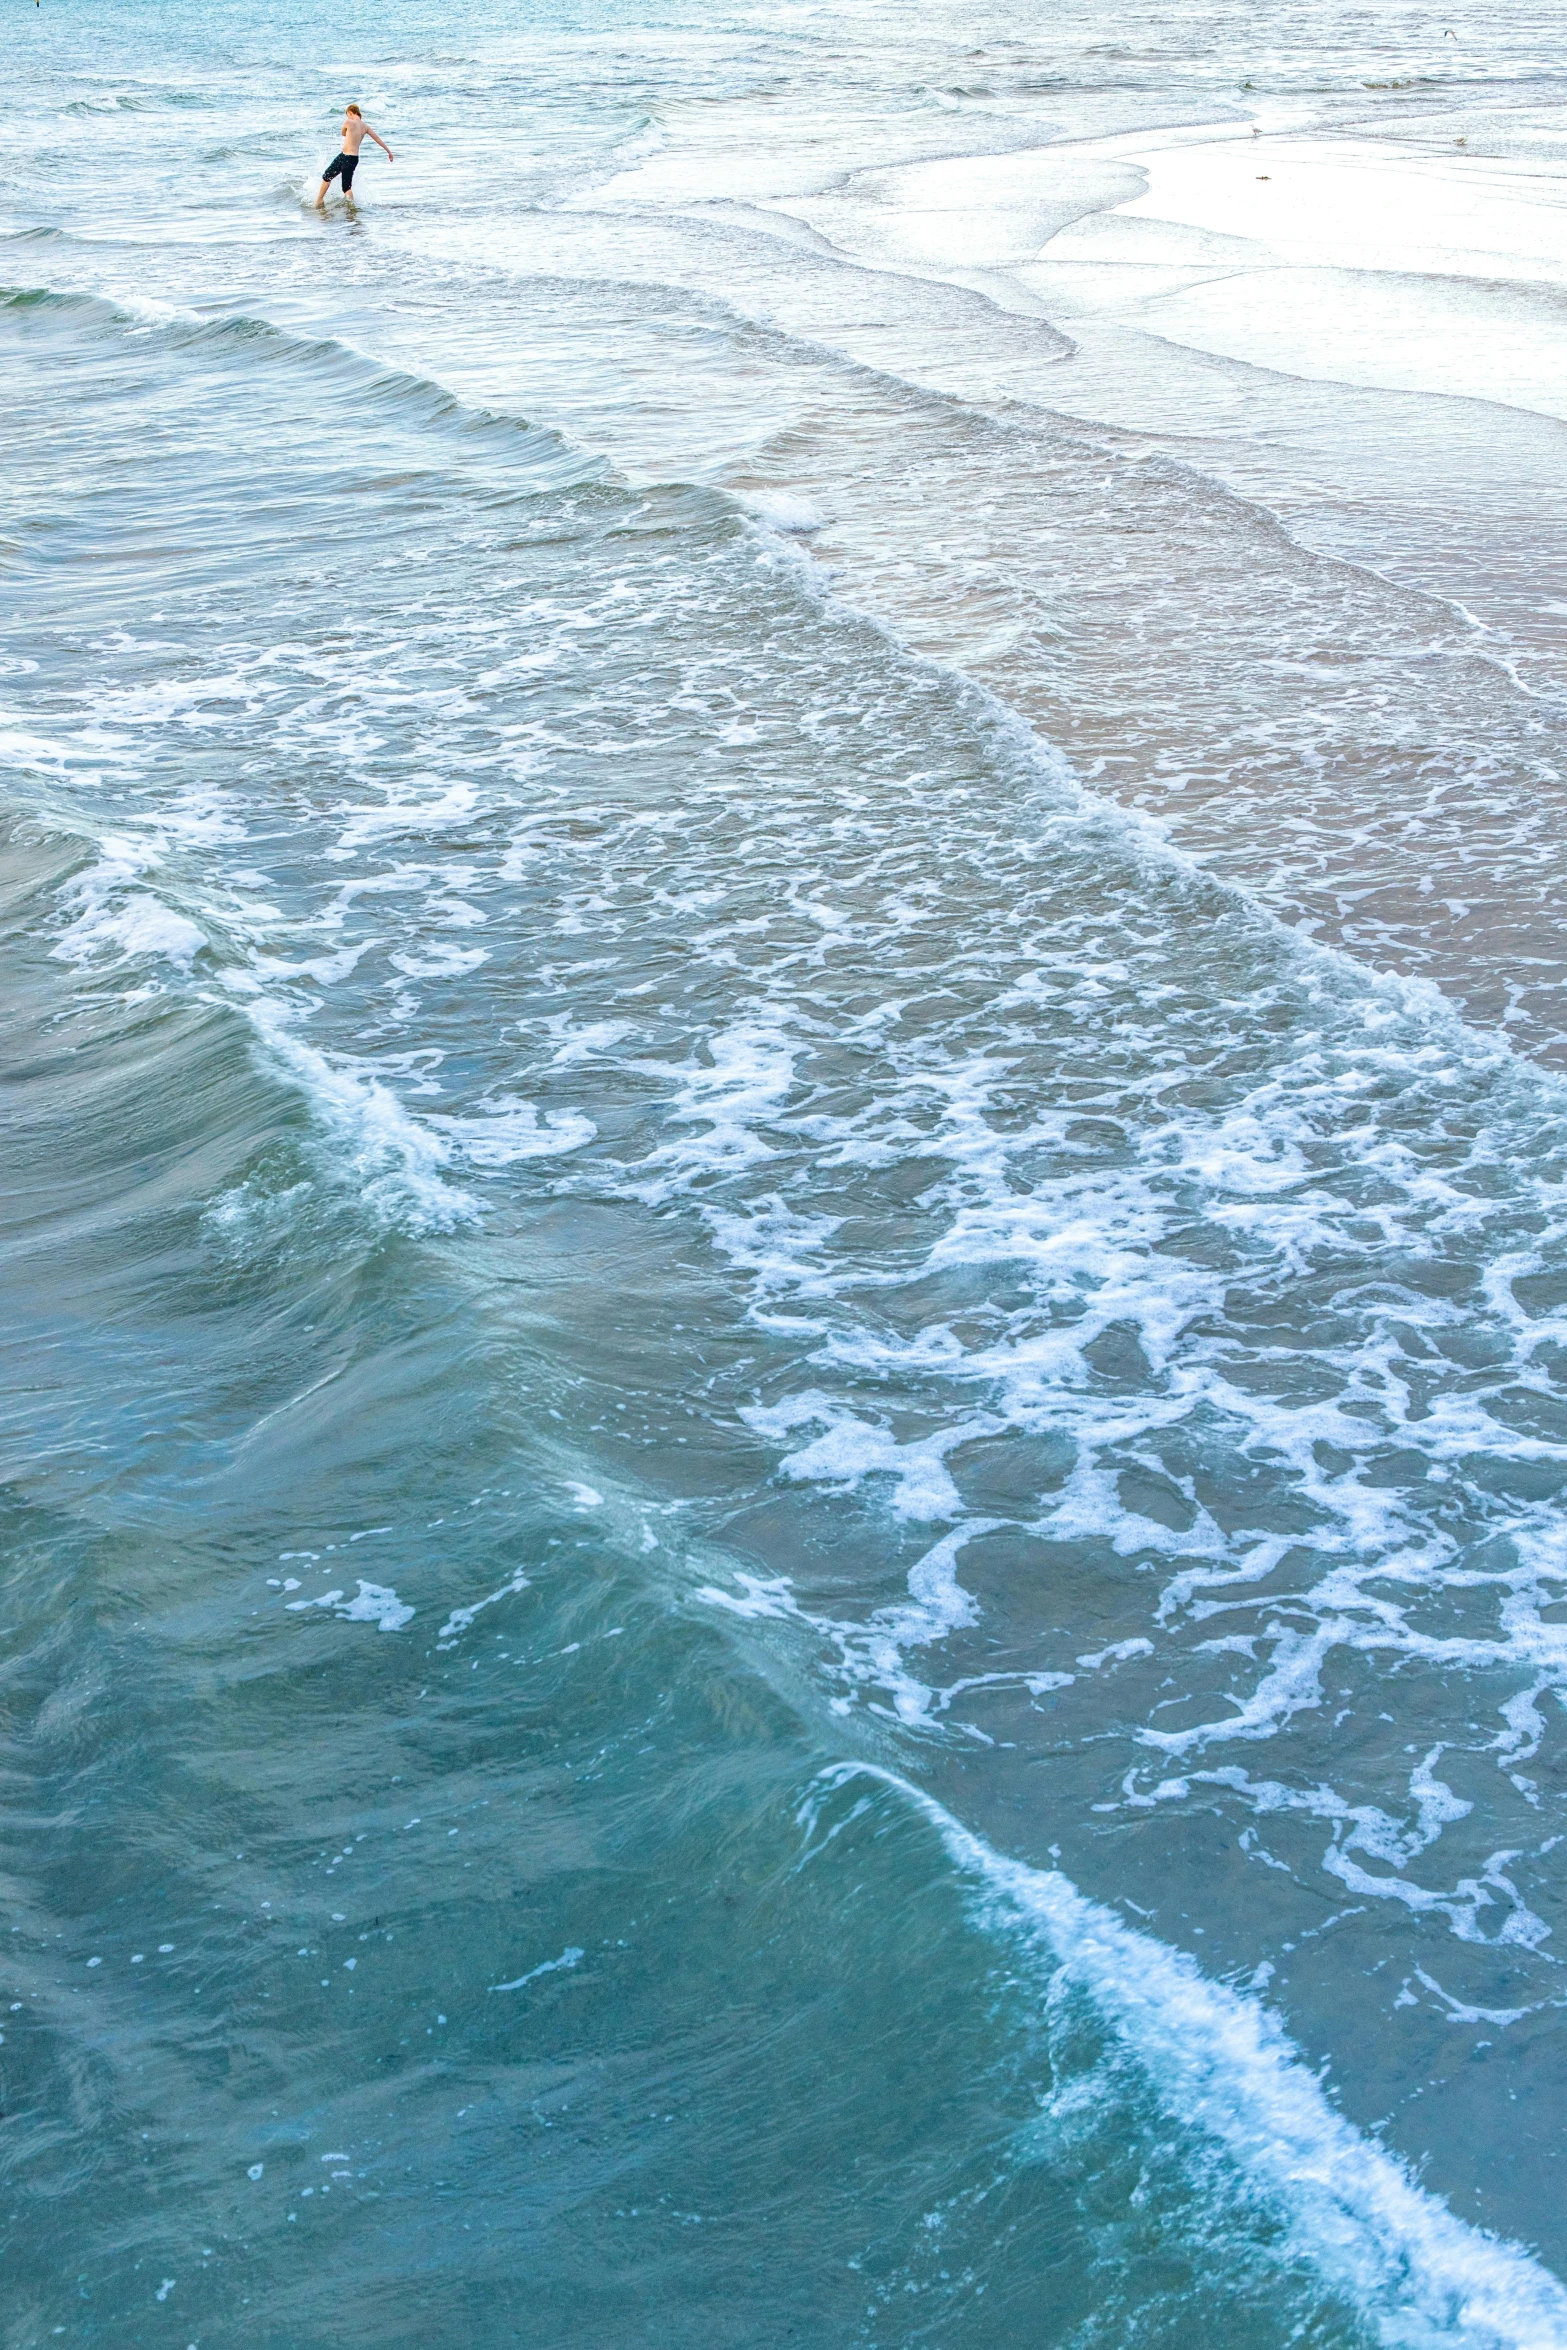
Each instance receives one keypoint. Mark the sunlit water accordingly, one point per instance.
(785, 1224)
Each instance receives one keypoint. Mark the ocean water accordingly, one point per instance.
(785, 1209)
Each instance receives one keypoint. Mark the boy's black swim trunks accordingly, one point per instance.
(341, 167)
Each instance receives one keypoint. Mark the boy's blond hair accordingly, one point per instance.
(355, 110)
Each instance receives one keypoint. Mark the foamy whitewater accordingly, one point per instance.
(786, 1217)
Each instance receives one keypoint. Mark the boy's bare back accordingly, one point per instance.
(343, 165)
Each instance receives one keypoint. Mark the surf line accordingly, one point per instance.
(1221, 2062)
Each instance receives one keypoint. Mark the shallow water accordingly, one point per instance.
(786, 1224)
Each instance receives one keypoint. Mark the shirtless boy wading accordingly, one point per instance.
(343, 166)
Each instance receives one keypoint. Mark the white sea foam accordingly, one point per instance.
(1101, 1253)
(742, 1083)
(1373, 1830)
(436, 961)
(873, 1655)
(1223, 2066)
(449, 802)
(785, 510)
(461, 1617)
(569, 1958)
(372, 1603)
(578, 1041)
(397, 1158)
(116, 915)
(851, 1449)
(505, 1130)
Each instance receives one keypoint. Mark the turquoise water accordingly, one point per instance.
(784, 1534)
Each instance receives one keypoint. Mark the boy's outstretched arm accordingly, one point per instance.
(381, 143)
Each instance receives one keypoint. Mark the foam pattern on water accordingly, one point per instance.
(1096, 1351)
(1177, 1303)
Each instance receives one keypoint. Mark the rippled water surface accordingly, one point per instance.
(785, 1226)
